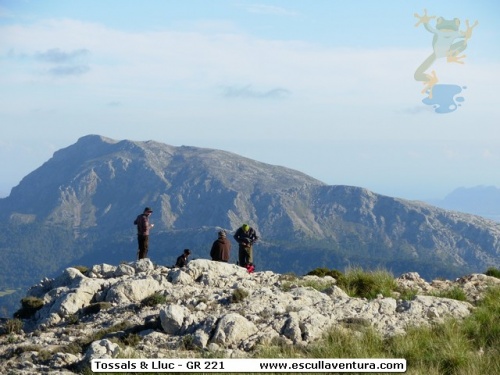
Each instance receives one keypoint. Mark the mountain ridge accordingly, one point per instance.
(78, 207)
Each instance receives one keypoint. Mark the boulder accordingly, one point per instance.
(231, 329)
(172, 318)
(101, 349)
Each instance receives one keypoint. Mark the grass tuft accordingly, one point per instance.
(358, 283)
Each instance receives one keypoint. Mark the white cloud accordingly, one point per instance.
(270, 9)
(338, 92)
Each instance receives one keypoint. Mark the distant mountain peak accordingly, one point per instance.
(95, 138)
(79, 206)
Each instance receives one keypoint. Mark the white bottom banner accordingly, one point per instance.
(250, 365)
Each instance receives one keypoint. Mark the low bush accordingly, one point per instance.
(153, 300)
(13, 326)
(106, 331)
(492, 271)
(94, 308)
(238, 295)
(29, 306)
(131, 339)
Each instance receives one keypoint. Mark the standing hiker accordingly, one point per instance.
(143, 226)
(246, 237)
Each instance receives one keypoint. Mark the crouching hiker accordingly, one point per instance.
(182, 260)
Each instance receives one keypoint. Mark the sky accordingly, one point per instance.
(325, 87)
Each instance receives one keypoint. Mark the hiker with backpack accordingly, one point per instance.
(246, 237)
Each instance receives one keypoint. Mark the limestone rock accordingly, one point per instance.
(102, 349)
(172, 318)
(198, 311)
(231, 329)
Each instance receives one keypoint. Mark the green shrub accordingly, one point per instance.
(13, 326)
(94, 308)
(103, 332)
(153, 300)
(72, 348)
(187, 342)
(238, 295)
(44, 355)
(29, 306)
(73, 319)
(492, 271)
(131, 339)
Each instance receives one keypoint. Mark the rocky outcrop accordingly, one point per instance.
(210, 306)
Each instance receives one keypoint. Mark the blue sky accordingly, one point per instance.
(324, 87)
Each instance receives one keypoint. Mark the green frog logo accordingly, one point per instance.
(448, 42)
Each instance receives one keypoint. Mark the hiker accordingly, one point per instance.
(143, 227)
(221, 248)
(246, 237)
(182, 260)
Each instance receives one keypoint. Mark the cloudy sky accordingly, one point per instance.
(325, 87)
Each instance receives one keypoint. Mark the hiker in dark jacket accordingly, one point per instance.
(143, 226)
(182, 260)
(221, 248)
(245, 236)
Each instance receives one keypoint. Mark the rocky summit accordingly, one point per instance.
(79, 206)
(217, 308)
